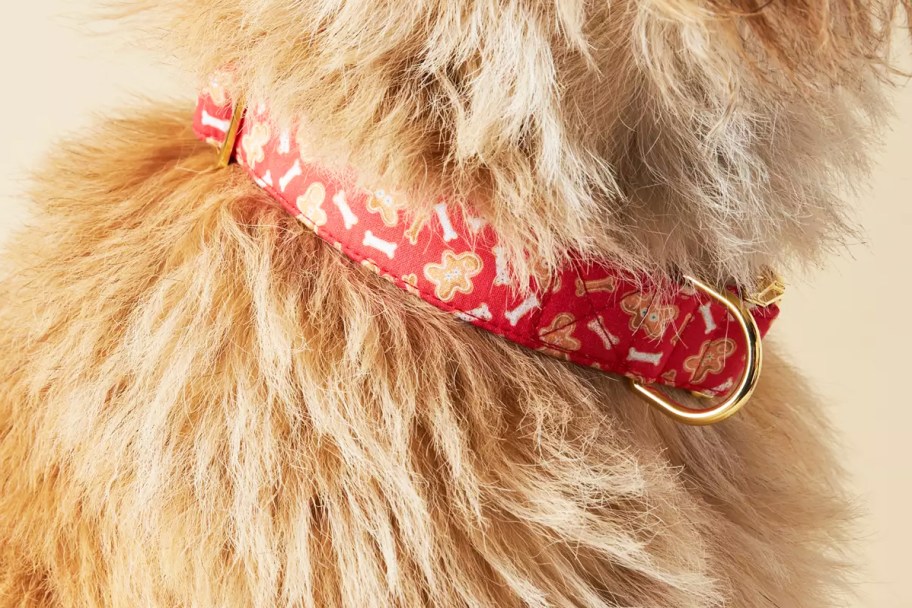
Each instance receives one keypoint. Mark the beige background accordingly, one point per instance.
(848, 327)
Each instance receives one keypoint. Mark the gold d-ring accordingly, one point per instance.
(745, 385)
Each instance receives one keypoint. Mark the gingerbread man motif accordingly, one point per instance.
(217, 89)
(645, 313)
(710, 359)
(310, 204)
(453, 274)
(254, 143)
(383, 203)
(559, 334)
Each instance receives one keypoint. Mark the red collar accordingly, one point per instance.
(590, 314)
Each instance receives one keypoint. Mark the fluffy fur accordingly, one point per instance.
(669, 135)
(202, 404)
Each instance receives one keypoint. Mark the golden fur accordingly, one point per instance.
(202, 404)
(669, 135)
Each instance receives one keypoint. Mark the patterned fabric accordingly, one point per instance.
(589, 314)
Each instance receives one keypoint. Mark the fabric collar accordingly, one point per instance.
(590, 314)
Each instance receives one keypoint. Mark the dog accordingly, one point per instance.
(204, 402)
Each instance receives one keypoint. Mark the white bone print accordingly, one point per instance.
(636, 355)
(482, 312)
(476, 223)
(265, 181)
(372, 241)
(216, 123)
(292, 173)
(522, 310)
(284, 142)
(708, 320)
(341, 202)
(503, 268)
(608, 339)
(724, 387)
(448, 233)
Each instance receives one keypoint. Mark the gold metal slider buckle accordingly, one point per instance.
(226, 151)
(744, 387)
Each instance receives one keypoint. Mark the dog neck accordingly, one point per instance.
(588, 312)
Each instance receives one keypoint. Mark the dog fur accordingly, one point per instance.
(202, 404)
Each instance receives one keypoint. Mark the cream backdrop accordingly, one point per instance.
(847, 327)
